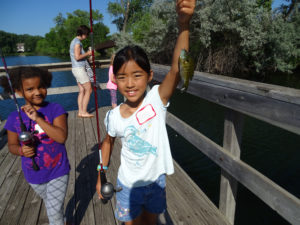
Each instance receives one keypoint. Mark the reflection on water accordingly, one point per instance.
(270, 150)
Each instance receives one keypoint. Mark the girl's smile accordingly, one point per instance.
(33, 91)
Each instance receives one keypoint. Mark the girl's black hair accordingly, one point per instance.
(17, 75)
(83, 29)
(128, 53)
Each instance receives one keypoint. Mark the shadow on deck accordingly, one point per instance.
(19, 204)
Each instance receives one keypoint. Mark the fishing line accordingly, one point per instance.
(25, 136)
(107, 189)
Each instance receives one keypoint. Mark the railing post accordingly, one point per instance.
(233, 127)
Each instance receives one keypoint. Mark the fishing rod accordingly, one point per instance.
(107, 188)
(25, 137)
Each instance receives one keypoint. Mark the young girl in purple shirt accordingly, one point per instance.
(48, 122)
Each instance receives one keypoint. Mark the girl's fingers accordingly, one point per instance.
(186, 6)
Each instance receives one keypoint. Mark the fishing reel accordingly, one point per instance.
(107, 188)
(26, 138)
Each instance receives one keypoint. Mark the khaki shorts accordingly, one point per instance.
(80, 75)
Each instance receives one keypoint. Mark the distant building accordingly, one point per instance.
(20, 47)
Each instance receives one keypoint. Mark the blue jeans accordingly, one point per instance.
(132, 201)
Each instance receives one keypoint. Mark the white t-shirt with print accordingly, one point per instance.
(145, 153)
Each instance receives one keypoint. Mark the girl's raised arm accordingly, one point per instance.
(185, 10)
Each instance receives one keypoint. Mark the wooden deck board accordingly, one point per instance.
(187, 204)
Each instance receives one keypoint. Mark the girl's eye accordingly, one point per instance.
(120, 77)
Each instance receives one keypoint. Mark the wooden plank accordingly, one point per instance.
(107, 216)
(71, 151)
(14, 207)
(80, 185)
(187, 204)
(2, 130)
(281, 93)
(233, 128)
(63, 90)
(281, 111)
(3, 154)
(85, 211)
(6, 165)
(60, 65)
(272, 194)
(43, 218)
(3, 136)
(10, 181)
(32, 208)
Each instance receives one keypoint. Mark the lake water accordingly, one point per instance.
(271, 150)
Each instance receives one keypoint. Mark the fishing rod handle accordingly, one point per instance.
(26, 138)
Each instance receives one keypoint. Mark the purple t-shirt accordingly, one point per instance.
(51, 157)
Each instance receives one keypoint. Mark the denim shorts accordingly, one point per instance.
(132, 201)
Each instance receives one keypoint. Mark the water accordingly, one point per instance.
(272, 151)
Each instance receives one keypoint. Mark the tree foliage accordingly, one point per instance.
(127, 12)
(57, 41)
(8, 42)
(227, 37)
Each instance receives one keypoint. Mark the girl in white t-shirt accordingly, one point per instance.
(140, 123)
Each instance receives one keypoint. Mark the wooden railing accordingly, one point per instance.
(279, 106)
(60, 66)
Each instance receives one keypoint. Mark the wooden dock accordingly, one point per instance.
(19, 204)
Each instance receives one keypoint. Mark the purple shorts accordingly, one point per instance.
(113, 96)
(132, 201)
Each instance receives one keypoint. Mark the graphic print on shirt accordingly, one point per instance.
(42, 136)
(136, 144)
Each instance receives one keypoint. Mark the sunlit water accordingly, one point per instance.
(270, 150)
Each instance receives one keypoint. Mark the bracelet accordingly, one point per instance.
(20, 151)
(99, 167)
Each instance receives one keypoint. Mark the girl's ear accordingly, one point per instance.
(150, 77)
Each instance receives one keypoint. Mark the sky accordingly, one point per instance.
(35, 17)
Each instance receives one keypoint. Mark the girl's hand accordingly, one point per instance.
(98, 187)
(30, 112)
(28, 151)
(89, 53)
(185, 10)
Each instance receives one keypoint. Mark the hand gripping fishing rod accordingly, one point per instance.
(25, 137)
(107, 188)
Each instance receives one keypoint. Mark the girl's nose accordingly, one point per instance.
(130, 82)
(37, 91)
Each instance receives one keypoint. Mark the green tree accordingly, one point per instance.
(8, 42)
(127, 12)
(227, 37)
(57, 41)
